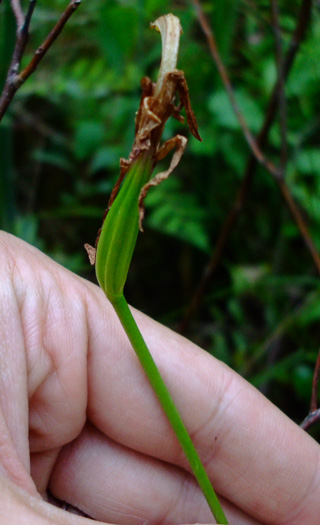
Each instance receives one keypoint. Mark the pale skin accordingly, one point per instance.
(97, 437)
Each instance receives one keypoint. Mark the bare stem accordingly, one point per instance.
(28, 17)
(14, 79)
(315, 382)
(22, 36)
(16, 8)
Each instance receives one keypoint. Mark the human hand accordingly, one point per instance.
(97, 436)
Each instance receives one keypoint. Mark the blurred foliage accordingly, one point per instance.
(70, 123)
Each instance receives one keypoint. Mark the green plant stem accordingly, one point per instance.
(126, 318)
(114, 253)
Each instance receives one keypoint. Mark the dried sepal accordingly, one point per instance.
(124, 166)
(91, 251)
(179, 142)
(183, 90)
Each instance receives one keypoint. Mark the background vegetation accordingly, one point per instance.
(67, 127)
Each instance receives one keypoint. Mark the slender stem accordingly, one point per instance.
(315, 382)
(22, 36)
(52, 36)
(14, 78)
(126, 318)
(16, 8)
(311, 419)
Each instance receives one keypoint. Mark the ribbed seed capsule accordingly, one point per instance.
(120, 230)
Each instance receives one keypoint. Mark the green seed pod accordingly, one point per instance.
(120, 230)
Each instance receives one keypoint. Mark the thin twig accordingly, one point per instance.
(15, 79)
(311, 420)
(28, 17)
(314, 413)
(21, 40)
(281, 94)
(19, 48)
(20, 45)
(45, 46)
(24, 118)
(303, 21)
(254, 146)
(315, 382)
(16, 8)
(300, 222)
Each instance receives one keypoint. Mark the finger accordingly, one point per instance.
(17, 507)
(256, 457)
(111, 482)
(41, 465)
(14, 446)
(48, 326)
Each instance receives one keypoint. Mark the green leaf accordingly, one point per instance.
(52, 158)
(106, 157)
(177, 214)
(308, 161)
(26, 228)
(220, 107)
(311, 311)
(279, 371)
(88, 137)
(302, 380)
(245, 278)
(117, 32)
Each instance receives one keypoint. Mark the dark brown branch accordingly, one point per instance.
(14, 79)
(314, 413)
(254, 146)
(303, 21)
(281, 94)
